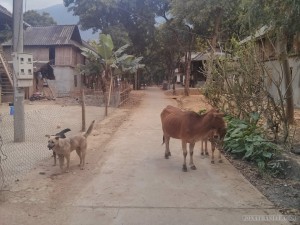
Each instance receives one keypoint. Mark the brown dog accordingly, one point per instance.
(64, 146)
(60, 134)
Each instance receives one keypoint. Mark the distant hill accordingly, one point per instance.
(61, 15)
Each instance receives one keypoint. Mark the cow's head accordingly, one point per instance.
(219, 127)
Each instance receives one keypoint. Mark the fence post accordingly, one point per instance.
(83, 110)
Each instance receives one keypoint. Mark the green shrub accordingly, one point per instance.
(245, 140)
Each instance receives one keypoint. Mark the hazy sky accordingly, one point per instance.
(31, 4)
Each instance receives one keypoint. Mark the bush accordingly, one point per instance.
(241, 83)
(245, 140)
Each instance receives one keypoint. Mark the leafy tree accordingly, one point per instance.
(168, 51)
(119, 36)
(184, 36)
(135, 16)
(282, 18)
(5, 33)
(208, 19)
(35, 19)
(128, 21)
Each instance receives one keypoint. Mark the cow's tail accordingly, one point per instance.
(163, 140)
(89, 131)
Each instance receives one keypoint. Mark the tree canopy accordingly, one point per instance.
(136, 17)
(188, 24)
(35, 19)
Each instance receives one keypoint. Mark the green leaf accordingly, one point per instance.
(105, 47)
(261, 164)
(105, 52)
(249, 151)
(242, 126)
(248, 154)
(105, 39)
(255, 116)
(267, 154)
(121, 50)
(238, 150)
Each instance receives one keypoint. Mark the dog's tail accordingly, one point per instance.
(61, 134)
(65, 131)
(89, 131)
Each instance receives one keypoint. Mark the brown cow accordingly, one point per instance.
(214, 143)
(190, 127)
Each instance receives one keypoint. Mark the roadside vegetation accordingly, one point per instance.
(164, 33)
(144, 41)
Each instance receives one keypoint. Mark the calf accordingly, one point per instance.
(214, 140)
(190, 127)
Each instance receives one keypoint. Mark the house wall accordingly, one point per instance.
(64, 83)
(39, 54)
(66, 60)
(276, 69)
(68, 55)
(266, 49)
(63, 55)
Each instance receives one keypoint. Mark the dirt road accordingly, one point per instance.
(128, 181)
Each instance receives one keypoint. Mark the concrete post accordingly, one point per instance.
(19, 121)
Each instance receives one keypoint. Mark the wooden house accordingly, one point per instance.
(58, 46)
(268, 48)
(198, 60)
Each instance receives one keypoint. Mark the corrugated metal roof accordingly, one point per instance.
(50, 35)
(5, 11)
(207, 56)
(201, 56)
(259, 33)
(193, 55)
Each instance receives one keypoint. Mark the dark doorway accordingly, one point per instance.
(52, 55)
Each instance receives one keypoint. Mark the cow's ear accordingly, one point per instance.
(219, 114)
(56, 138)
(214, 110)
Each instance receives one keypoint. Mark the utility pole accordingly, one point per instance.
(19, 121)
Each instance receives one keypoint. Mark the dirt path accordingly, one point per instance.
(128, 181)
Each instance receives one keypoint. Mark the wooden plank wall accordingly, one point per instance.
(38, 53)
(63, 56)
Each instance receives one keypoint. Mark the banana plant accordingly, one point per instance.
(110, 59)
(132, 65)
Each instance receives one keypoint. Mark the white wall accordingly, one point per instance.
(276, 69)
(64, 83)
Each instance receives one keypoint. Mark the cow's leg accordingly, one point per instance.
(192, 145)
(167, 151)
(206, 152)
(213, 147)
(220, 159)
(184, 168)
(204, 147)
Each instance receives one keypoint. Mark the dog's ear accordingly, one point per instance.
(47, 135)
(56, 138)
